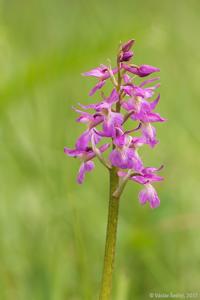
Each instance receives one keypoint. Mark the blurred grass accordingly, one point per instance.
(51, 230)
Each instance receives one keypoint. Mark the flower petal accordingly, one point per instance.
(149, 133)
(113, 98)
(85, 167)
(125, 159)
(83, 140)
(73, 152)
(154, 103)
(97, 87)
(104, 147)
(110, 123)
(96, 72)
(149, 81)
(149, 194)
(141, 71)
(143, 196)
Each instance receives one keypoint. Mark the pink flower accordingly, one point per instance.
(109, 119)
(148, 193)
(102, 73)
(86, 155)
(125, 155)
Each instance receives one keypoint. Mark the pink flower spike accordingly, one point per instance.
(123, 121)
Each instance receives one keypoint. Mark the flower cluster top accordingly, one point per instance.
(108, 118)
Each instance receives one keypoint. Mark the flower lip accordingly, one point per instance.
(85, 167)
(149, 194)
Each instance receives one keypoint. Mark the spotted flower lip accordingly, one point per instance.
(124, 119)
(141, 71)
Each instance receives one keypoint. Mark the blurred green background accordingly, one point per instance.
(52, 231)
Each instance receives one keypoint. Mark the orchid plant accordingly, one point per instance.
(129, 100)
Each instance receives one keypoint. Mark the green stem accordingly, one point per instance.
(111, 236)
